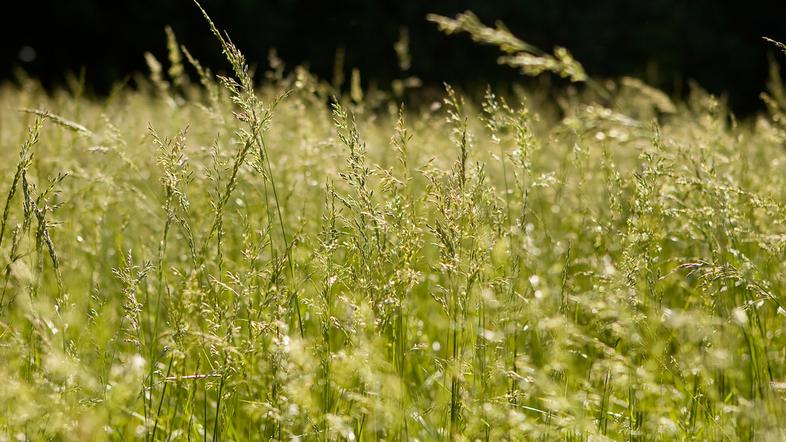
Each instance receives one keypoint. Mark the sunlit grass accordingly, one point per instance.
(208, 258)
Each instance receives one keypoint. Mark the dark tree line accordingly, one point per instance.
(666, 42)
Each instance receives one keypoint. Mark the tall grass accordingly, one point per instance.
(223, 259)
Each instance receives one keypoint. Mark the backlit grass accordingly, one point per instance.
(217, 258)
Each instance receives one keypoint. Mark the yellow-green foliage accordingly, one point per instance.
(205, 260)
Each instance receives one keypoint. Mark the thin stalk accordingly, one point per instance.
(161, 400)
(288, 248)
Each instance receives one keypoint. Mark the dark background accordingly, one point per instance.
(666, 42)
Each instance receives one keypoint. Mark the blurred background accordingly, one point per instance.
(667, 43)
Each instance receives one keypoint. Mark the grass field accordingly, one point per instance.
(205, 258)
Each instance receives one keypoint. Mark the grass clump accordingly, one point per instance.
(225, 260)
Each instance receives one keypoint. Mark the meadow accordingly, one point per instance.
(261, 257)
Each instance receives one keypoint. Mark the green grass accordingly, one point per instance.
(211, 258)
